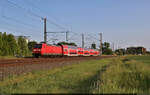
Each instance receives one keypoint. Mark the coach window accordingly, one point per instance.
(65, 50)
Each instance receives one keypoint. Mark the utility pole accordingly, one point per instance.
(82, 40)
(101, 43)
(113, 47)
(67, 36)
(45, 33)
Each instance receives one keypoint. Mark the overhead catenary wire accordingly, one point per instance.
(8, 29)
(33, 14)
(93, 37)
(16, 29)
(14, 5)
(51, 22)
(74, 34)
(14, 25)
(28, 11)
(40, 17)
(18, 21)
(43, 11)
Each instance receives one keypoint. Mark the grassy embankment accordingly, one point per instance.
(130, 74)
(69, 79)
(114, 75)
(7, 57)
(14, 57)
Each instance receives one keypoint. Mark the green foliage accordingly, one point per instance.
(75, 78)
(5, 46)
(24, 51)
(124, 76)
(115, 75)
(120, 51)
(12, 45)
(142, 59)
(9, 46)
(1, 43)
(106, 49)
(136, 50)
(148, 52)
(106, 45)
(66, 43)
(31, 45)
(93, 46)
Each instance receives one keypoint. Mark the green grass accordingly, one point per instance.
(143, 59)
(7, 57)
(125, 76)
(77, 78)
(129, 74)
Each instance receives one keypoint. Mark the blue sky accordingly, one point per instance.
(122, 22)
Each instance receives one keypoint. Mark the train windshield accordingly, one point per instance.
(38, 46)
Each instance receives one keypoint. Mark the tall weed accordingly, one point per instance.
(124, 77)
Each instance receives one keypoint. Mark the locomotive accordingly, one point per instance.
(44, 49)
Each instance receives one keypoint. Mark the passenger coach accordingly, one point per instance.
(43, 49)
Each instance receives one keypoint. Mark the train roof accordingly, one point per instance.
(75, 47)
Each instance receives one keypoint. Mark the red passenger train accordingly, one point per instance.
(44, 49)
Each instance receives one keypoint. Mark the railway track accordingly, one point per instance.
(9, 67)
(25, 61)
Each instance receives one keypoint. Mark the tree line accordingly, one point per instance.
(132, 50)
(11, 46)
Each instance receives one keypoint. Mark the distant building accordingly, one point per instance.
(136, 50)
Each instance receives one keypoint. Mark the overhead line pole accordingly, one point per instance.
(82, 40)
(67, 36)
(45, 32)
(113, 49)
(101, 43)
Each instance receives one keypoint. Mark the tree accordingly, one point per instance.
(93, 46)
(120, 51)
(24, 51)
(5, 46)
(12, 45)
(148, 52)
(136, 50)
(105, 48)
(31, 45)
(66, 43)
(106, 45)
(1, 43)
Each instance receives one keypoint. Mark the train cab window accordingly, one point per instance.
(38, 46)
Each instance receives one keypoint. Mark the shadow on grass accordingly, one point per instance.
(85, 85)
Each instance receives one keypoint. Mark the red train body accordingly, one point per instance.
(62, 50)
